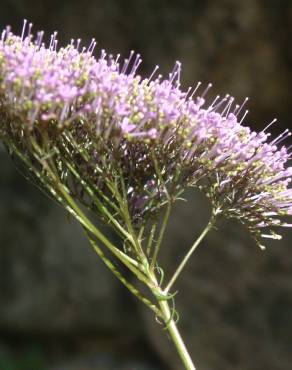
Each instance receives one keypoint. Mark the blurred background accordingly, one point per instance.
(60, 309)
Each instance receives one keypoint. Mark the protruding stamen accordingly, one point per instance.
(175, 73)
(153, 73)
(55, 45)
(8, 30)
(3, 35)
(78, 44)
(178, 73)
(136, 64)
(91, 46)
(243, 117)
(227, 107)
(39, 39)
(285, 134)
(29, 29)
(195, 89)
(53, 38)
(117, 58)
(270, 124)
(127, 62)
(187, 93)
(284, 138)
(23, 29)
(206, 90)
(102, 54)
(213, 102)
(235, 109)
(241, 106)
(219, 104)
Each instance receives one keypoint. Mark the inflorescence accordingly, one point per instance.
(106, 131)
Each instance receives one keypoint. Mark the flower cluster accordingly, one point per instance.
(107, 129)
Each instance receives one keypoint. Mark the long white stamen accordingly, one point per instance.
(153, 73)
(78, 44)
(213, 102)
(206, 90)
(91, 46)
(228, 106)
(175, 73)
(274, 142)
(270, 124)
(40, 36)
(196, 88)
(29, 30)
(136, 64)
(127, 62)
(219, 104)
(23, 29)
(284, 138)
(243, 117)
(53, 37)
(241, 106)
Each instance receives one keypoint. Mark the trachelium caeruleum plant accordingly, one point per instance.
(105, 143)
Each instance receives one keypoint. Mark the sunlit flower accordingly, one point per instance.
(99, 115)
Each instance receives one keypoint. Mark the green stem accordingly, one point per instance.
(131, 264)
(161, 234)
(188, 255)
(159, 174)
(126, 260)
(71, 141)
(175, 335)
(150, 239)
(123, 280)
(170, 324)
(122, 200)
(97, 202)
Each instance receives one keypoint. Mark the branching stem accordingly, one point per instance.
(122, 279)
(171, 327)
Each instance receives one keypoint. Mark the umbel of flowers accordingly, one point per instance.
(92, 134)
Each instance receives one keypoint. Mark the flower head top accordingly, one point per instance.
(108, 130)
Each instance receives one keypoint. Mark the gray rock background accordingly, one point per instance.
(59, 306)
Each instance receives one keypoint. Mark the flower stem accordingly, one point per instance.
(175, 335)
(188, 255)
(118, 274)
(161, 234)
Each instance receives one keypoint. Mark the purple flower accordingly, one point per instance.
(145, 130)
